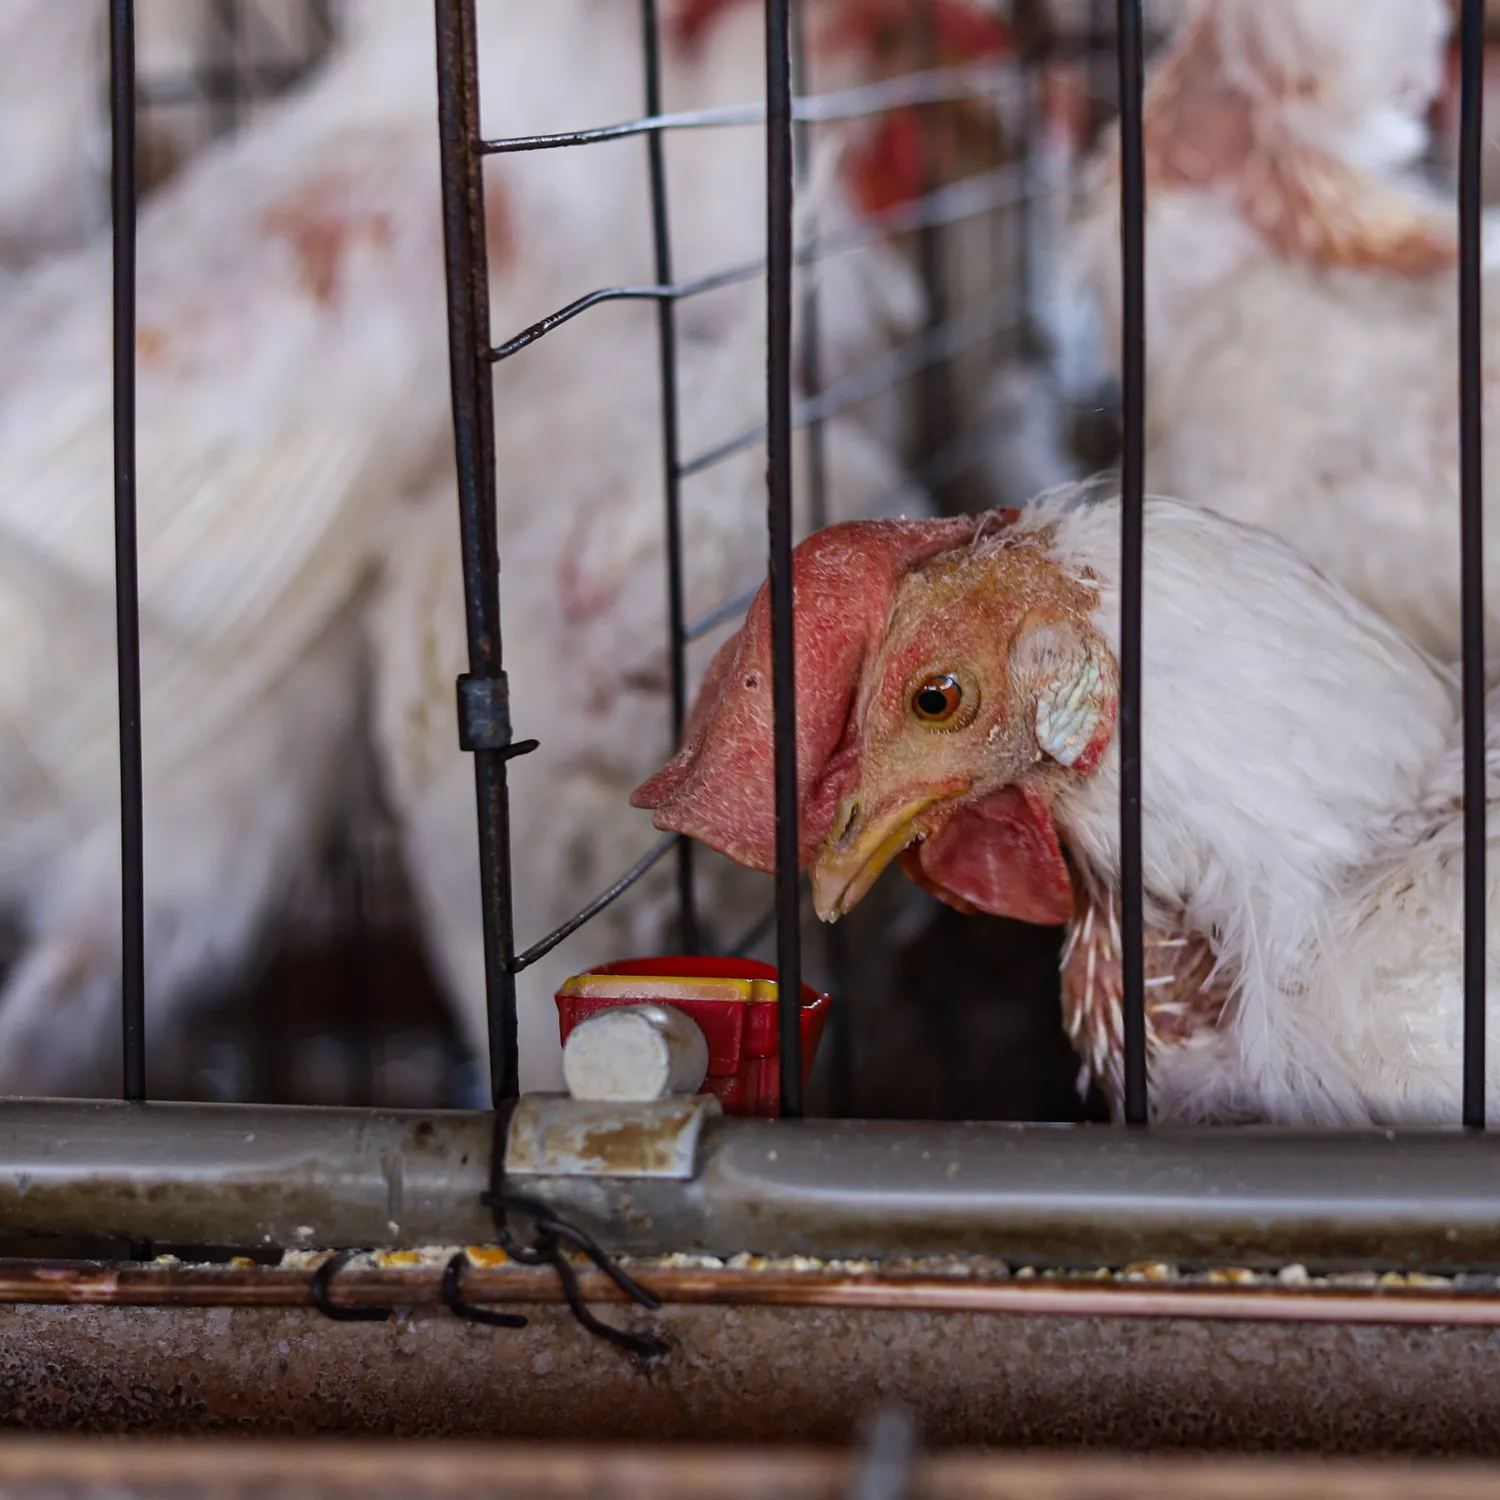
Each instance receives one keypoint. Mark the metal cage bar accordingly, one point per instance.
(1471, 440)
(127, 582)
(467, 271)
(1132, 502)
(666, 321)
(780, 188)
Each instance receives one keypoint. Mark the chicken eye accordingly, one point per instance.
(937, 699)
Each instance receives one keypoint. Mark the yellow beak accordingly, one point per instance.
(847, 867)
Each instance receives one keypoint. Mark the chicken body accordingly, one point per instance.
(1302, 299)
(1301, 823)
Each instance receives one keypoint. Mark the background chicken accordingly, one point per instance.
(1301, 297)
(292, 365)
(1302, 848)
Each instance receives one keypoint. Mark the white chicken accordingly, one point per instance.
(1302, 842)
(1302, 321)
(293, 371)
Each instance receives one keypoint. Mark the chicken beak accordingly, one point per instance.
(849, 863)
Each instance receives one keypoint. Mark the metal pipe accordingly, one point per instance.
(244, 1176)
(1079, 1197)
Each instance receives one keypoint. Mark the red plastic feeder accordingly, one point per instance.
(733, 1000)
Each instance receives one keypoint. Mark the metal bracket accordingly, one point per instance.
(552, 1135)
(484, 716)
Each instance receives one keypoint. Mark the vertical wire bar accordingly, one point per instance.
(812, 327)
(1471, 438)
(666, 319)
(467, 272)
(835, 934)
(779, 195)
(229, 55)
(936, 388)
(1132, 504)
(127, 586)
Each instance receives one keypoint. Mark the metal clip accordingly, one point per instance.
(484, 716)
(551, 1232)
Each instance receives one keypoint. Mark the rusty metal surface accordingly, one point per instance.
(554, 1134)
(373, 1471)
(757, 1374)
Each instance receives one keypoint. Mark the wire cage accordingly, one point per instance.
(1039, 1196)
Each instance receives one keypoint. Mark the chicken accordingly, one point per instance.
(1302, 321)
(292, 368)
(957, 699)
(581, 531)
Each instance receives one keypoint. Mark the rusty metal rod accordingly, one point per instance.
(253, 1176)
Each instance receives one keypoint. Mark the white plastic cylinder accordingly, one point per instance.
(636, 1053)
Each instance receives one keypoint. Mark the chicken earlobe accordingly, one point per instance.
(1077, 700)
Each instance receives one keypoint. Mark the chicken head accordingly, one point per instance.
(949, 680)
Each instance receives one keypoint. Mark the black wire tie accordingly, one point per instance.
(547, 1249)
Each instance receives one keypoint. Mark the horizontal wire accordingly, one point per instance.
(974, 196)
(635, 873)
(932, 86)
